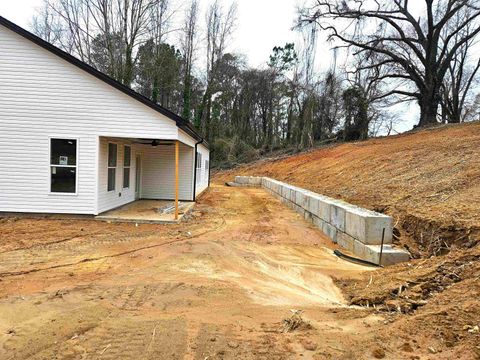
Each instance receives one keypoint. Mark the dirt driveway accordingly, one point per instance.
(219, 285)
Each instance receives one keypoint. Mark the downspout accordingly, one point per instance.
(195, 171)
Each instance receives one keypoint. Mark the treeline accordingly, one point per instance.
(244, 111)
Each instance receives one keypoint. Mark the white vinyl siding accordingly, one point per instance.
(111, 199)
(158, 172)
(202, 172)
(43, 96)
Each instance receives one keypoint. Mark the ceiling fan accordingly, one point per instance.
(154, 142)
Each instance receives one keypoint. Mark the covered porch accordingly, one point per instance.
(148, 212)
(145, 180)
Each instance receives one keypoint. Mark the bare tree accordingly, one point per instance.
(220, 27)
(188, 45)
(411, 46)
(461, 74)
(47, 24)
(112, 28)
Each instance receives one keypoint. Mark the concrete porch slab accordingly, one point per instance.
(147, 212)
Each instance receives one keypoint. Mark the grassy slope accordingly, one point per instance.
(429, 181)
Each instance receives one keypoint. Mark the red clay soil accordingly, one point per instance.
(428, 180)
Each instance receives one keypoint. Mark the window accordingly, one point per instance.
(199, 168)
(112, 166)
(207, 169)
(63, 166)
(127, 153)
(199, 160)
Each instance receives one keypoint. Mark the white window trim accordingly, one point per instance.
(62, 137)
(112, 167)
(127, 167)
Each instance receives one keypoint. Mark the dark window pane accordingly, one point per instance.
(112, 155)
(63, 152)
(199, 160)
(126, 156)
(126, 178)
(63, 179)
(111, 179)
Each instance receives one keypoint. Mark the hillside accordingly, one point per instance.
(428, 180)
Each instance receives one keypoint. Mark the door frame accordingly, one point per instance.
(138, 176)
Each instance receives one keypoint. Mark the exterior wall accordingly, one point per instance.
(185, 138)
(158, 172)
(25, 172)
(202, 173)
(43, 96)
(111, 199)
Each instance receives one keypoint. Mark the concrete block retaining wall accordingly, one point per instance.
(356, 229)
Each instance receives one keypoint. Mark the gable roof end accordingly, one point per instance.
(181, 122)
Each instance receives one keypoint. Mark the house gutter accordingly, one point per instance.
(195, 171)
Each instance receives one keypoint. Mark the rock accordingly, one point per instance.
(378, 353)
(432, 350)
(309, 345)
(406, 347)
(475, 329)
(232, 344)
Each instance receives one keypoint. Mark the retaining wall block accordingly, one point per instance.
(367, 226)
(330, 231)
(324, 206)
(319, 223)
(390, 256)
(248, 180)
(300, 198)
(313, 203)
(337, 216)
(277, 188)
(308, 216)
(291, 194)
(346, 241)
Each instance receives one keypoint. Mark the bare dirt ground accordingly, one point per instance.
(429, 181)
(218, 286)
(246, 278)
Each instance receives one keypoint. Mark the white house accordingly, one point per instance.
(73, 140)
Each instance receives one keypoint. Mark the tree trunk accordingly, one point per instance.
(428, 110)
(186, 97)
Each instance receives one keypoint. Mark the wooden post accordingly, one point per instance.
(176, 180)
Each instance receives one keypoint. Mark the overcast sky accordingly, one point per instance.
(262, 24)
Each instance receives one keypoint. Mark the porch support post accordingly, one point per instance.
(176, 179)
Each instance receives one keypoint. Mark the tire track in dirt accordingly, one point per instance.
(97, 258)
